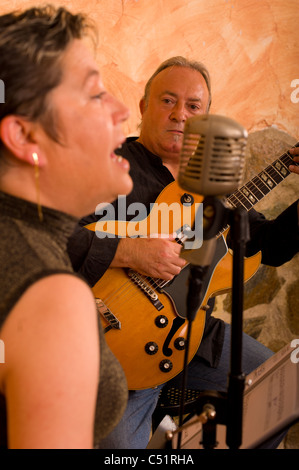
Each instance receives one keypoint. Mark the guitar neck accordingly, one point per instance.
(250, 194)
(253, 191)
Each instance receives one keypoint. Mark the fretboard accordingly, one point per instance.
(253, 191)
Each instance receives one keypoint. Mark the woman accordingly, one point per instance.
(58, 131)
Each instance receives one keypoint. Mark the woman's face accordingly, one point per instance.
(83, 169)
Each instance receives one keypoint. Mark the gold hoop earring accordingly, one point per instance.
(37, 186)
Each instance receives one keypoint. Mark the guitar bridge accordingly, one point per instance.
(108, 315)
(140, 281)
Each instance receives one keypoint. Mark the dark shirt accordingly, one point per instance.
(278, 239)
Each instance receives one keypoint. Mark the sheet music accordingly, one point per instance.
(270, 405)
(271, 400)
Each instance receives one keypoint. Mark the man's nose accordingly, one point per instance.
(178, 113)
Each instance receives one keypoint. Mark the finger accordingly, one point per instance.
(294, 151)
(169, 236)
(294, 169)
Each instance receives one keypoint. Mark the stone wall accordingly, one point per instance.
(271, 301)
(251, 49)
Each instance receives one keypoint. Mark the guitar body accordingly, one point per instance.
(138, 344)
(145, 323)
(173, 209)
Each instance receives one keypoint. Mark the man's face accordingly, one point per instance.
(176, 94)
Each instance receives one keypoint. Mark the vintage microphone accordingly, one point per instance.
(212, 164)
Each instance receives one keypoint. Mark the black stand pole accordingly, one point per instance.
(215, 217)
(196, 280)
(228, 407)
(240, 236)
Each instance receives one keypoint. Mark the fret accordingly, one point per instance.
(233, 200)
(283, 170)
(275, 175)
(248, 194)
(247, 198)
(266, 178)
(287, 161)
(253, 191)
(243, 200)
(257, 194)
(259, 182)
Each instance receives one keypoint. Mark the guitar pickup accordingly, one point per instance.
(108, 315)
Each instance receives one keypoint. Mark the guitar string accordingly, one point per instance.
(268, 169)
(116, 292)
(130, 288)
(130, 293)
(153, 283)
(260, 183)
(124, 290)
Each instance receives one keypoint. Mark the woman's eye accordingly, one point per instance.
(98, 96)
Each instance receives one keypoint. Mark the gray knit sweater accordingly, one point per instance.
(29, 251)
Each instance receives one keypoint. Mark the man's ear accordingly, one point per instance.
(16, 134)
(142, 106)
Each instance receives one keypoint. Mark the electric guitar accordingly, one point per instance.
(144, 319)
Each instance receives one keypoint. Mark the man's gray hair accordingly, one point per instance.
(180, 61)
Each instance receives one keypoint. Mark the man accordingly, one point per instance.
(178, 90)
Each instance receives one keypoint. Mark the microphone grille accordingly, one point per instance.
(213, 155)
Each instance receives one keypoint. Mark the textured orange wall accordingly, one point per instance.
(251, 48)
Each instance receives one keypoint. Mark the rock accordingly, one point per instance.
(271, 300)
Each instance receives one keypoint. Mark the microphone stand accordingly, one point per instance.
(195, 283)
(227, 408)
(240, 236)
(215, 217)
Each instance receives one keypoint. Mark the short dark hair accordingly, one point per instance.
(31, 46)
(179, 61)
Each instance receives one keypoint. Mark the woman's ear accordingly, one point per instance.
(17, 133)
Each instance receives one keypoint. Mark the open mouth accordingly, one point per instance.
(119, 160)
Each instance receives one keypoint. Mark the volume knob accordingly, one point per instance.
(161, 321)
(151, 348)
(179, 343)
(165, 365)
